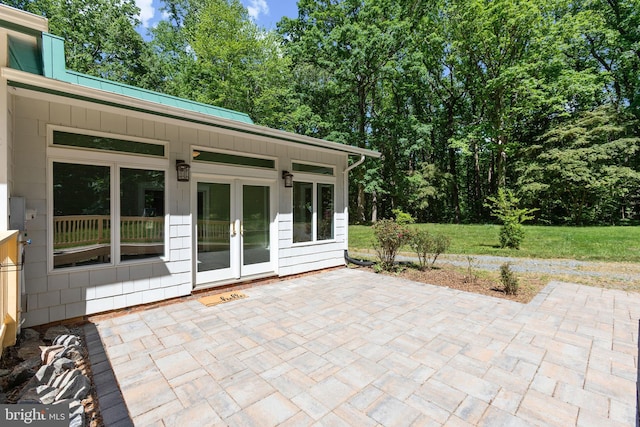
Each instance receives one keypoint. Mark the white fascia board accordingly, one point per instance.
(82, 92)
(24, 19)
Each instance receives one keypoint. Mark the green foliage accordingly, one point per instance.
(403, 218)
(390, 237)
(505, 207)
(509, 279)
(587, 169)
(428, 246)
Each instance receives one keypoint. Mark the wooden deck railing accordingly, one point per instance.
(213, 231)
(9, 288)
(84, 230)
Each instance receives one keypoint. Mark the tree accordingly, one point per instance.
(585, 170)
(100, 38)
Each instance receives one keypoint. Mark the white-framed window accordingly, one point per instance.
(313, 204)
(106, 208)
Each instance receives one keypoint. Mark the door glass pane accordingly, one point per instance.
(214, 217)
(141, 213)
(81, 215)
(325, 211)
(255, 222)
(302, 211)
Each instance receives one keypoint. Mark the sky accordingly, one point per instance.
(265, 13)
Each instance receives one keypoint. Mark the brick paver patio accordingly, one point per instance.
(348, 347)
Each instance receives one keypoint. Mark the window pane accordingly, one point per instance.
(232, 159)
(321, 170)
(81, 215)
(214, 218)
(256, 222)
(141, 213)
(109, 144)
(325, 211)
(302, 212)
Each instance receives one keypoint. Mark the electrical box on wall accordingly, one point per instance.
(17, 212)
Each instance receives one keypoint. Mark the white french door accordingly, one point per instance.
(235, 220)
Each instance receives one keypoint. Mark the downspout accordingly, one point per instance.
(347, 258)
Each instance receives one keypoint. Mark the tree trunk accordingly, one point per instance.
(360, 209)
(477, 188)
(374, 208)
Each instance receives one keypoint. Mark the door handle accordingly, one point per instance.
(241, 230)
(233, 229)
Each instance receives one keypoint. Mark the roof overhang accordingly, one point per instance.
(19, 81)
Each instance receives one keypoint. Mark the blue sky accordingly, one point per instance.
(266, 13)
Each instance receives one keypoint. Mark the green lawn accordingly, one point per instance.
(581, 243)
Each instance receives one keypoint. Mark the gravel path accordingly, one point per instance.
(622, 271)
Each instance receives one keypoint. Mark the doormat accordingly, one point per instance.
(212, 300)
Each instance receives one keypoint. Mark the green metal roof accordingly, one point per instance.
(25, 57)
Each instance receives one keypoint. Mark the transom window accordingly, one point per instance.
(93, 142)
(233, 159)
(307, 168)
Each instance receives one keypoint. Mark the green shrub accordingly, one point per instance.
(428, 246)
(505, 207)
(390, 236)
(403, 218)
(509, 279)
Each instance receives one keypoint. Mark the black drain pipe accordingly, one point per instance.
(359, 262)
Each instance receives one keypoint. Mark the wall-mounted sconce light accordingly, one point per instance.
(288, 179)
(183, 169)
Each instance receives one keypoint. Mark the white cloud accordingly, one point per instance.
(147, 11)
(256, 8)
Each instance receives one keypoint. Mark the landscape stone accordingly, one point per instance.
(23, 372)
(42, 394)
(73, 352)
(76, 412)
(55, 331)
(61, 381)
(45, 374)
(66, 340)
(77, 388)
(29, 348)
(29, 334)
(63, 364)
(49, 353)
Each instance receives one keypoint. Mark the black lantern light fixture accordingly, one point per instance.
(288, 179)
(183, 169)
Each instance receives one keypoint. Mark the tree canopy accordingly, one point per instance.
(462, 97)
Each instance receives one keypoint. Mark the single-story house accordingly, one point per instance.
(130, 196)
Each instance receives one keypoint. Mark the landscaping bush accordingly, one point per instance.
(403, 218)
(390, 237)
(428, 246)
(505, 207)
(509, 279)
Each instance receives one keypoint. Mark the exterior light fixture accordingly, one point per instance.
(288, 179)
(183, 169)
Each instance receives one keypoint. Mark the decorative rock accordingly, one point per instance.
(4, 372)
(29, 348)
(77, 388)
(41, 394)
(45, 374)
(73, 352)
(49, 353)
(29, 334)
(76, 412)
(55, 331)
(66, 340)
(63, 364)
(62, 380)
(23, 372)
